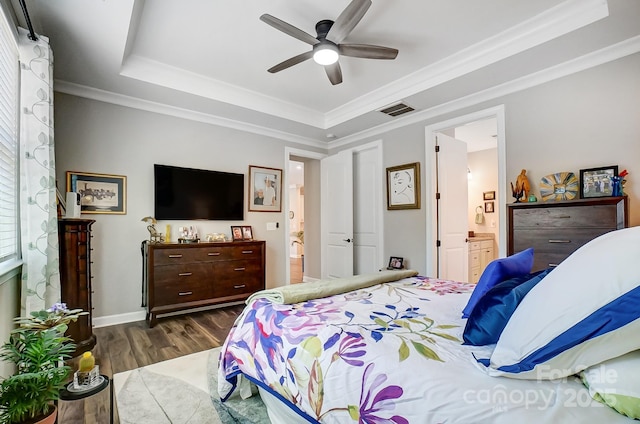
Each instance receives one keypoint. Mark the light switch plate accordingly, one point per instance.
(271, 226)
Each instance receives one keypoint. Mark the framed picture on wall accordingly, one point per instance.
(265, 189)
(488, 207)
(403, 186)
(99, 193)
(489, 195)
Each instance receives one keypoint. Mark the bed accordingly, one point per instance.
(392, 351)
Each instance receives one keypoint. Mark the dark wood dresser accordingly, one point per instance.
(557, 229)
(191, 275)
(75, 278)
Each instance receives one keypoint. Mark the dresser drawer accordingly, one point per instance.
(249, 283)
(182, 293)
(181, 274)
(474, 259)
(230, 270)
(560, 241)
(567, 216)
(176, 256)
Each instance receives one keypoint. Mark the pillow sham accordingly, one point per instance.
(581, 314)
(493, 310)
(516, 265)
(615, 383)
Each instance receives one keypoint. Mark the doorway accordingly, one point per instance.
(296, 221)
(434, 209)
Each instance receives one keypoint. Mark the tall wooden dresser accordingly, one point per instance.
(557, 229)
(75, 278)
(184, 276)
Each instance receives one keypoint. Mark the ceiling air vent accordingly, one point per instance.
(397, 109)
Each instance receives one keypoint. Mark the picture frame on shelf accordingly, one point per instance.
(489, 207)
(265, 189)
(396, 262)
(403, 186)
(236, 233)
(247, 232)
(596, 182)
(489, 195)
(99, 193)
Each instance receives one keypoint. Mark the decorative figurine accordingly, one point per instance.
(517, 194)
(522, 184)
(154, 235)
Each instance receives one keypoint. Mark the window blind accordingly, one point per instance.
(8, 142)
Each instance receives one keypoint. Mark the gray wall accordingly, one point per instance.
(581, 121)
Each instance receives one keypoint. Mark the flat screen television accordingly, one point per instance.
(185, 193)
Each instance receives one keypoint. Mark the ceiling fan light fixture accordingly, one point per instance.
(325, 53)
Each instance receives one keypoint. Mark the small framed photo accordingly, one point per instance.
(596, 182)
(236, 233)
(265, 189)
(489, 195)
(395, 263)
(247, 232)
(488, 207)
(99, 193)
(403, 186)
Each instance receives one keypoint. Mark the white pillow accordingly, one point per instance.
(584, 312)
(615, 383)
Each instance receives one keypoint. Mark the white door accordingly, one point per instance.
(452, 208)
(337, 215)
(368, 207)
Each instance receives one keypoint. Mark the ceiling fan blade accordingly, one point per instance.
(334, 73)
(289, 29)
(291, 61)
(367, 51)
(348, 20)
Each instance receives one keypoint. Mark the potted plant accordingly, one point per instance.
(299, 235)
(37, 348)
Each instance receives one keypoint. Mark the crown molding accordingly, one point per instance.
(590, 60)
(149, 106)
(552, 23)
(161, 74)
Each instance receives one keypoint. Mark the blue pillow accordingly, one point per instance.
(493, 310)
(497, 271)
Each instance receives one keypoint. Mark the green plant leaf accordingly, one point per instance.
(426, 351)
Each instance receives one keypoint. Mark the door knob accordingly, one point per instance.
(347, 240)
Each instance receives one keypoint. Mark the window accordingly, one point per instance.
(8, 142)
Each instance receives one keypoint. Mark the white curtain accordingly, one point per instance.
(38, 212)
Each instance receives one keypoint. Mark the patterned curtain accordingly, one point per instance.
(38, 212)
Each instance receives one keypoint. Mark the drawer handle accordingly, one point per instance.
(185, 274)
(185, 293)
(239, 269)
(175, 256)
(559, 241)
(554, 264)
(240, 286)
(213, 254)
(245, 252)
(564, 216)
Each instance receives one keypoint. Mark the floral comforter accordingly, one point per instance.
(390, 353)
(338, 358)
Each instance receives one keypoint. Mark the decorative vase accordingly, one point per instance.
(49, 419)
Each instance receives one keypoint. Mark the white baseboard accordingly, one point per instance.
(306, 279)
(119, 319)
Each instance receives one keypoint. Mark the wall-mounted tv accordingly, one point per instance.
(185, 193)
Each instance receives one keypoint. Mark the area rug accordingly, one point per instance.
(181, 391)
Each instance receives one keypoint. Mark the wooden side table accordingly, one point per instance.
(67, 395)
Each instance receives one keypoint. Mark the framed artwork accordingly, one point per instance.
(247, 232)
(403, 186)
(236, 233)
(489, 195)
(99, 193)
(395, 263)
(488, 207)
(265, 189)
(596, 182)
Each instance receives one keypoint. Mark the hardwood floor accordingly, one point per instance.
(128, 346)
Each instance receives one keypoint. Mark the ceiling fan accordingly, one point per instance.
(327, 45)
